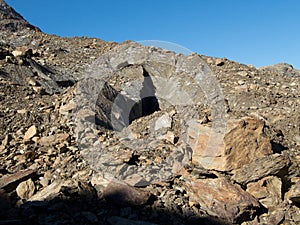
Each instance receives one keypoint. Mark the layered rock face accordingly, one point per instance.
(93, 132)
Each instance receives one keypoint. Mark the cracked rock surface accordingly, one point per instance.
(95, 132)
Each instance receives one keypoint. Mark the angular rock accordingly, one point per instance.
(220, 198)
(25, 189)
(244, 141)
(267, 191)
(30, 133)
(292, 215)
(53, 139)
(294, 193)
(275, 217)
(10, 182)
(48, 192)
(65, 109)
(125, 195)
(163, 122)
(275, 164)
(22, 51)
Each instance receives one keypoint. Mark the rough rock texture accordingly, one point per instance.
(267, 191)
(243, 142)
(25, 189)
(222, 199)
(11, 20)
(40, 78)
(270, 165)
(294, 193)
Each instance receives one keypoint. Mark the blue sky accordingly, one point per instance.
(258, 32)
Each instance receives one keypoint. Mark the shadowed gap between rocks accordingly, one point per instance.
(108, 96)
(148, 103)
(74, 206)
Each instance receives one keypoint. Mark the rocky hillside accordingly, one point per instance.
(95, 132)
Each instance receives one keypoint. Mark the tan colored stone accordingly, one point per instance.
(244, 141)
(47, 192)
(21, 111)
(273, 217)
(30, 133)
(65, 109)
(267, 191)
(22, 51)
(220, 198)
(53, 139)
(25, 189)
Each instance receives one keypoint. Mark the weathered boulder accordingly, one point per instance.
(267, 191)
(26, 189)
(219, 197)
(243, 142)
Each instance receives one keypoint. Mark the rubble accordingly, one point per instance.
(230, 156)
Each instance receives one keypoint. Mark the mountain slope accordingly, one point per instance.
(12, 21)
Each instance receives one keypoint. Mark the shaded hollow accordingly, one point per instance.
(148, 103)
(117, 108)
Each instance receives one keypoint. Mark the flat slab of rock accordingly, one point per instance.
(271, 165)
(243, 142)
(10, 182)
(220, 198)
(49, 191)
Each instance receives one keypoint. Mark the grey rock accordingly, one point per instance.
(275, 164)
(11, 20)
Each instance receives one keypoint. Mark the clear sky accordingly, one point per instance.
(258, 32)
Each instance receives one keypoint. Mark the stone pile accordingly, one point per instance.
(142, 141)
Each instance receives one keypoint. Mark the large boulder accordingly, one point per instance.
(220, 198)
(243, 142)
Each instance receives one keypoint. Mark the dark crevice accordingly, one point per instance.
(128, 109)
(277, 148)
(148, 103)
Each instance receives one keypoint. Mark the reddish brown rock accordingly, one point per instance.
(244, 141)
(221, 198)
